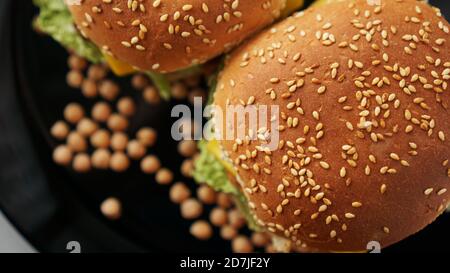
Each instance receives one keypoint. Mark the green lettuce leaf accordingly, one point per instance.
(55, 20)
(162, 84)
(208, 170)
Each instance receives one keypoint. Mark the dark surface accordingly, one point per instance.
(51, 205)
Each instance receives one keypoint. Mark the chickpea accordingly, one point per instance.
(86, 127)
(260, 239)
(179, 91)
(192, 81)
(150, 164)
(236, 219)
(60, 130)
(101, 111)
(109, 90)
(224, 200)
(201, 230)
(97, 72)
(228, 232)
(119, 141)
(100, 159)
(101, 139)
(270, 248)
(241, 244)
(218, 217)
(164, 176)
(89, 88)
(116, 122)
(151, 95)
(81, 163)
(187, 168)
(179, 192)
(187, 148)
(76, 62)
(76, 142)
(74, 78)
(111, 208)
(62, 155)
(73, 113)
(119, 162)
(191, 208)
(199, 93)
(136, 150)
(139, 81)
(147, 136)
(206, 194)
(126, 106)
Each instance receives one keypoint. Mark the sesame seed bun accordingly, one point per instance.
(364, 134)
(165, 36)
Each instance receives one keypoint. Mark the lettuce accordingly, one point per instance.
(162, 84)
(55, 20)
(208, 170)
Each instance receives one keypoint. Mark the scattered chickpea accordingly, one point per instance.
(73, 113)
(111, 208)
(260, 239)
(224, 200)
(108, 90)
(100, 159)
(76, 62)
(101, 111)
(139, 81)
(101, 139)
(62, 155)
(151, 95)
(187, 168)
(235, 218)
(228, 232)
(187, 148)
(201, 230)
(89, 88)
(86, 127)
(117, 122)
(164, 176)
(197, 92)
(206, 194)
(119, 162)
(81, 163)
(136, 150)
(60, 130)
(192, 81)
(191, 208)
(179, 91)
(126, 106)
(179, 192)
(147, 136)
(119, 141)
(76, 142)
(241, 244)
(270, 248)
(218, 217)
(96, 72)
(74, 78)
(150, 164)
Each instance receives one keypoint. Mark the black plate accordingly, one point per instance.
(51, 205)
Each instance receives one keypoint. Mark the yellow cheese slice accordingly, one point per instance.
(118, 67)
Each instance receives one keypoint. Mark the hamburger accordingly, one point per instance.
(363, 137)
(156, 36)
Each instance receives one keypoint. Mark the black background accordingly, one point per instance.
(52, 205)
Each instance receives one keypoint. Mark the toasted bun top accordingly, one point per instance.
(169, 35)
(364, 132)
